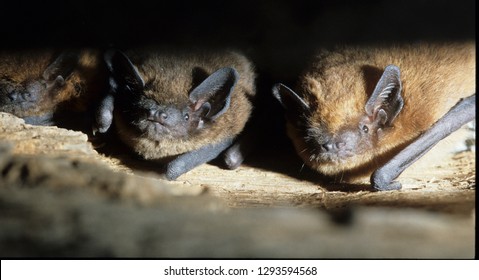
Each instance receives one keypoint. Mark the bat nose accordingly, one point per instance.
(13, 96)
(332, 146)
(327, 147)
(16, 96)
(162, 117)
(157, 116)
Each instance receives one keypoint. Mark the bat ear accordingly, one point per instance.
(290, 99)
(212, 96)
(123, 71)
(386, 101)
(61, 68)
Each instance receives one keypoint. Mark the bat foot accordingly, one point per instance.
(175, 169)
(393, 186)
(233, 157)
(380, 182)
(103, 115)
(172, 174)
(102, 122)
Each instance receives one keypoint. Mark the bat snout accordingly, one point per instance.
(167, 117)
(331, 146)
(334, 148)
(18, 97)
(157, 116)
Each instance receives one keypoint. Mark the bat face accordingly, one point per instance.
(356, 108)
(149, 118)
(357, 125)
(333, 134)
(170, 105)
(30, 83)
(20, 98)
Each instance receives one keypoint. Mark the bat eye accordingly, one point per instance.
(187, 117)
(365, 129)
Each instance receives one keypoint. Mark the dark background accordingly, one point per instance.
(276, 34)
(239, 23)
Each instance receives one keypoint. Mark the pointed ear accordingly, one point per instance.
(290, 100)
(62, 67)
(123, 71)
(213, 95)
(386, 101)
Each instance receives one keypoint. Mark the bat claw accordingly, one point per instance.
(233, 157)
(393, 186)
(380, 181)
(175, 169)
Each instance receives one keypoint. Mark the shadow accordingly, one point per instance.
(109, 145)
(371, 75)
(199, 75)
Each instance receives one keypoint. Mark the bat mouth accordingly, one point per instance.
(156, 127)
(336, 149)
(332, 157)
(156, 131)
(17, 107)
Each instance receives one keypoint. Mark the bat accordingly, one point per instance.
(183, 109)
(44, 87)
(374, 110)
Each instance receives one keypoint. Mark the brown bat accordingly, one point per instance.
(46, 87)
(185, 109)
(360, 109)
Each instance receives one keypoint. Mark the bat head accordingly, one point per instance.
(26, 95)
(332, 127)
(156, 112)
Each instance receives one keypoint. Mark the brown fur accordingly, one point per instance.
(172, 74)
(82, 86)
(338, 84)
